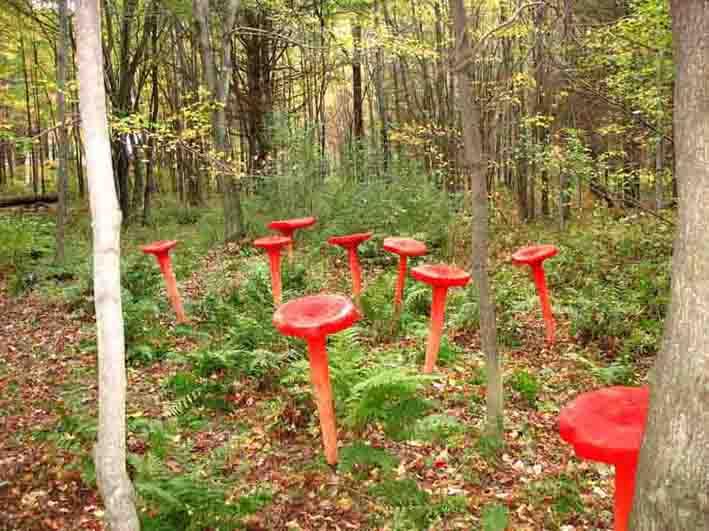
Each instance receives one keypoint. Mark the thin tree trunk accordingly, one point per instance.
(474, 166)
(149, 170)
(110, 451)
(62, 180)
(357, 100)
(38, 116)
(218, 86)
(672, 491)
(30, 128)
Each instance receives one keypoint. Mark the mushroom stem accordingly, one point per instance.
(171, 286)
(399, 291)
(320, 377)
(438, 308)
(356, 272)
(624, 490)
(540, 283)
(274, 259)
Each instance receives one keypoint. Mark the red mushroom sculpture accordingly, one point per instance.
(404, 247)
(351, 242)
(161, 251)
(607, 426)
(273, 245)
(534, 257)
(440, 277)
(288, 226)
(313, 318)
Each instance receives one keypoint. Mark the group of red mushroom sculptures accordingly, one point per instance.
(604, 425)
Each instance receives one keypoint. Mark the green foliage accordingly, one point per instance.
(563, 492)
(404, 493)
(527, 385)
(362, 458)
(413, 506)
(391, 396)
(27, 247)
(495, 517)
(188, 502)
(489, 446)
(140, 275)
(438, 428)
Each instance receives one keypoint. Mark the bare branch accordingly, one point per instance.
(470, 56)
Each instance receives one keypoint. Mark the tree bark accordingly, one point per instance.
(357, 102)
(672, 489)
(62, 181)
(474, 167)
(27, 200)
(110, 451)
(218, 86)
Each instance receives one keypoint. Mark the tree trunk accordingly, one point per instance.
(110, 451)
(62, 181)
(357, 102)
(672, 491)
(381, 98)
(474, 167)
(218, 85)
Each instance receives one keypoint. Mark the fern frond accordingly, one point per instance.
(184, 403)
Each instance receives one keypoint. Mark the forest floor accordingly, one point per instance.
(263, 440)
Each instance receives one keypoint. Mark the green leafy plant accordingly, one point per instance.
(362, 458)
(495, 517)
(391, 396)
(527, 385)
(438, 428)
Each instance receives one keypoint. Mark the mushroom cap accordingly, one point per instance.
(289, 225)
(405, 246)
(271, 243)
(159, 247)
(441, 275)
(606, 425)
(533, 254)
(351, 240)
(315, 316)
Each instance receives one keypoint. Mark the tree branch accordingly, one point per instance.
(466, 59)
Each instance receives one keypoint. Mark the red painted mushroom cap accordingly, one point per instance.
(351, 240)
(441, 275)
(405, 246)
(272, 242)
(606, 425)
(315, 316)
(159, 247)
(533, 254)
(287, 226)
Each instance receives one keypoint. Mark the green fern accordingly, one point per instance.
(392, 396)
(185, 403)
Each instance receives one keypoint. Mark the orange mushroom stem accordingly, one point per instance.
(440, 277)
(313, 318)
(351, 242)
(287, 228)
(607, 425)
(273, 245)
(404, 247)
(400, 282)
(320, 378)
(534, 257)
(438, 310)
(161, 251)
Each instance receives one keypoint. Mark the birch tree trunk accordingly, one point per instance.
(672, 488)
(474, 169)
(110, 451)
(62, 182)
